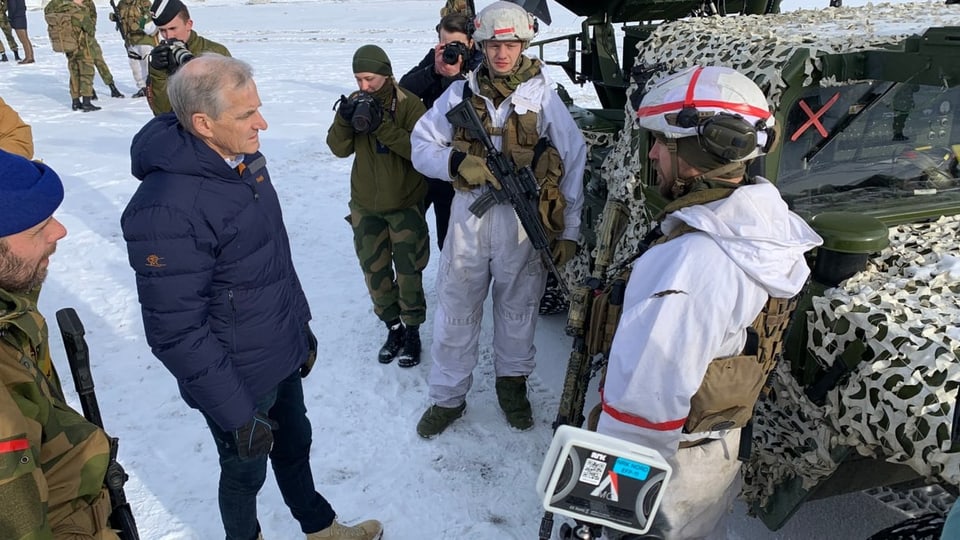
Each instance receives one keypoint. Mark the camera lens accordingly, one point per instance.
(453, 51)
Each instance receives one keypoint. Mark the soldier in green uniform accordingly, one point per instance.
(141, 38)
(79, 58)
(97, 53)
(52, 460)
(8, 33)
(386, 199)
(176, 30)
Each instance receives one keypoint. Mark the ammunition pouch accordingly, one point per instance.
(91, 521)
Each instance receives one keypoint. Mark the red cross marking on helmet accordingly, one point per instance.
(814, 118)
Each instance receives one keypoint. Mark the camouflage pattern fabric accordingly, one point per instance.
(96, 53)
(79, 62)
(52, 461)
(904, 312)
(6, 28)
(393, 241)
(134, 14)
(913, 352)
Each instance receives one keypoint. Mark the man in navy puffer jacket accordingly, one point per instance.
(222, 306)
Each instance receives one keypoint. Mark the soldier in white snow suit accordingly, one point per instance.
(519, 109)
(729, 244)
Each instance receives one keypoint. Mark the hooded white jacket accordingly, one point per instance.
(690, 300)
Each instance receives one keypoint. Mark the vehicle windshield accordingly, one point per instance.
(874, 147)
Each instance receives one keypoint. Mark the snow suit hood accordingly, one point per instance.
(754, 227)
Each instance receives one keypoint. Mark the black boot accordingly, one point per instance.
(86, 106)
(410, 354)
(393, 344)
(16, 55)
(140, 93)
(114, 92)
(3, 57)
(93, 96)
(76, 104)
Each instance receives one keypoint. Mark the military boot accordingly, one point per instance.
(114, 92)
(76, 104)
(140, 93)
(16, 55)
(367, 530)
(94, 96)
(86, 106)
(3, 57)
(393, 344)
(512, 395)
(410, 353)
(437, 418)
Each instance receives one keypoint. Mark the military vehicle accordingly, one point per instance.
(868, 104)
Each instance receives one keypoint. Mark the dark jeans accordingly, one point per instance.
(440, 195)
(241, 480)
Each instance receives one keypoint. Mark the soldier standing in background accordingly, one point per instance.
(8, 33)
(141, 35)
(97, 53)
(79, 61)
(17, 11)
(428, 80)
(176, 30)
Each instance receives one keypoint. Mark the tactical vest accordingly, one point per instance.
(521, 142)
(732, 384)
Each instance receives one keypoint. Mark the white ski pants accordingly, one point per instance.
(493, 248)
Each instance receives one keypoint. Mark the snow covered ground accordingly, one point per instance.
(476, 481)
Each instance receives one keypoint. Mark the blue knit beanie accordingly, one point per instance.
(29, 193)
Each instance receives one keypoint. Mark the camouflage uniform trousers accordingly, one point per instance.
(80, 66)
(7, 30)
(387, 242)
(96, 53)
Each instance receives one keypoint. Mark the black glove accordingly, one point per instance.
(160, 58)
(255, 438)
(311, 352)
(345, 107)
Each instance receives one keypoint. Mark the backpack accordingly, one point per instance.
(63, 37)
(132, 18)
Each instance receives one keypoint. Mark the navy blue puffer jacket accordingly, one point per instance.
(222, 306)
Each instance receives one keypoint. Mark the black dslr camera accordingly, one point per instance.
(179, 53)
(367, 112)
(453, 51)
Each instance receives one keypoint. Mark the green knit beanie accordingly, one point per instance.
(372, 59)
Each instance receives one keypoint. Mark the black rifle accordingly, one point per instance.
(115, 17)
(519, 188)
(121, 516)
(582, 365)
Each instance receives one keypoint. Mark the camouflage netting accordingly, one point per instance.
(758, 46)
(898, 403)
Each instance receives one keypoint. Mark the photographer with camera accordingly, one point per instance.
(449, 60)
(386, 199)
(179, 44)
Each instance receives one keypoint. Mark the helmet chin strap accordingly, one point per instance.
(681, 186)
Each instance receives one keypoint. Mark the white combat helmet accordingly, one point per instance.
(683, 104)
(504, 21)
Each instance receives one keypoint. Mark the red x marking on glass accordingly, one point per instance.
(814, 118)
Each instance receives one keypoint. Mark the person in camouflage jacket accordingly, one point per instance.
(97, 53)
(386, 200)
(79, 59)
(141, 38)
(52, 460)
(172, 19)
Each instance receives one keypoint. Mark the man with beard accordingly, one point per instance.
(52, 460)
